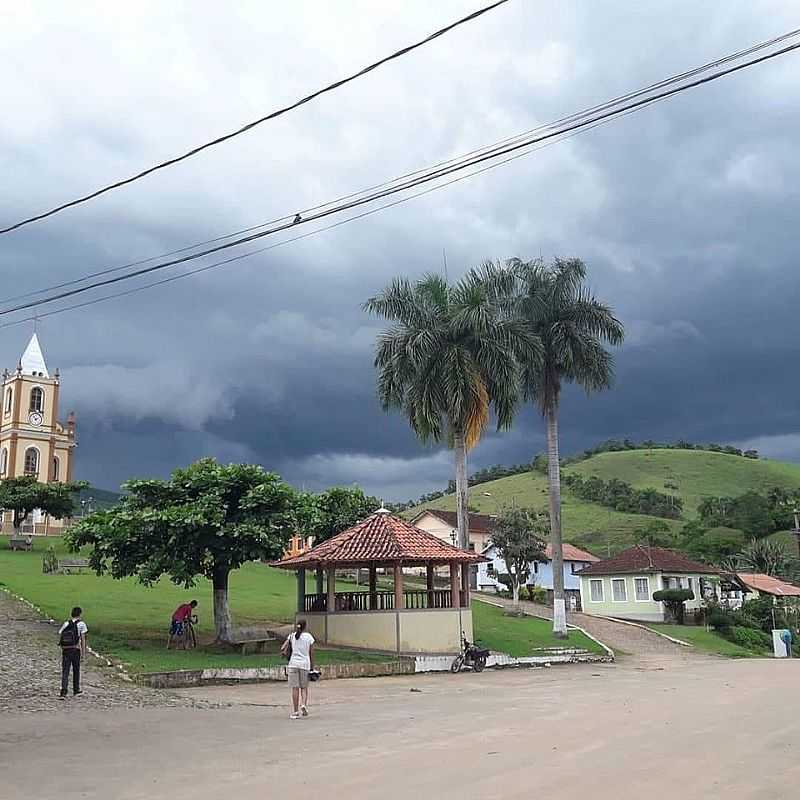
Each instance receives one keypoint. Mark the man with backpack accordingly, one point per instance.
(72, 641)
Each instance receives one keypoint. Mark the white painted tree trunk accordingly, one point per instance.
(222, 613)
(554, 479)
(462, 491)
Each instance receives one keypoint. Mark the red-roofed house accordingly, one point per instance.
(541, 573)
(757, 584)
(427, 620)
(623, 586)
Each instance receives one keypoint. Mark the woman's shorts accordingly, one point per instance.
(298, 678)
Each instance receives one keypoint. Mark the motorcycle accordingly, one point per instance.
(470, 656)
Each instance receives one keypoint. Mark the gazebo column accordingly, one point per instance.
(430, 584)
(399, 597)
(455, 601)
(320, 581)
(301, 591)
(465, 585)
(373, 587)
(331, 590)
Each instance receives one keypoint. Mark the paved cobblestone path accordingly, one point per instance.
(30, 671)
(627, 641)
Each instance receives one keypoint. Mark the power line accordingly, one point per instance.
(426, 178)
(250, 125)
(463, 158)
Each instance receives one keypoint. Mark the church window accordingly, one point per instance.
(37, 399)
(9, 395)
(32, 461)
(4, 461)
(55, 468)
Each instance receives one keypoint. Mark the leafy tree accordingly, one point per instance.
(573, 327)
(25, 494)
(712, 545)
(337, 509)
(655, 534)
(452, 355)
(674, 600)
(517, 534)
(207, 519)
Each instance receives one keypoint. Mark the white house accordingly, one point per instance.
(444, 525)
(541, 573)
(623, 586)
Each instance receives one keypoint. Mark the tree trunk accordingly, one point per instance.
(515, 592)
(462, 491)
(554, 477)
(222, 613)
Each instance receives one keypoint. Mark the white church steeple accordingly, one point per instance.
(32, 361)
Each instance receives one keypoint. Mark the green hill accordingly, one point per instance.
(697, 474)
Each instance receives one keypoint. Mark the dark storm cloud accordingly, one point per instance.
(685, 213)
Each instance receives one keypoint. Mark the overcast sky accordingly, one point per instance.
(686, 215)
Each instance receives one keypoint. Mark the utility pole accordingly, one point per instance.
(796, 529)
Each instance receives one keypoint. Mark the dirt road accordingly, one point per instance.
(711, 728)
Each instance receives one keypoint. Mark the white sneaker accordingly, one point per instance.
(294, 715)
(304, 711)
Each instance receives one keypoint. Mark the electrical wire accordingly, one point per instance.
(250, 125)
(448, 162)
(636, 105)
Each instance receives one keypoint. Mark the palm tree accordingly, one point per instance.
(573, 327)
(453, 354)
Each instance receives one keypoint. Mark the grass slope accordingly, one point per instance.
(521, 636)
(604, 531)
(709, 641)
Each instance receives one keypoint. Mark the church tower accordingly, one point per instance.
(32, 440)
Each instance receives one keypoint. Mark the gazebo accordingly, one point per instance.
(428, 620)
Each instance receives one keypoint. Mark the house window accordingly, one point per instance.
(596, 591)
(32, 461)
(535, 567)
(9, 396)
(490, 569)
(55, 468)
(575, 567)
(37, 399)
(472, 546)
(4, 461)
(642, 587)
(619, 592)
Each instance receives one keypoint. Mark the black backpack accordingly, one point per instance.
(69, 636)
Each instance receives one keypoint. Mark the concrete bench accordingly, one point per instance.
(20, 543)
(247, 646)
(68, 565)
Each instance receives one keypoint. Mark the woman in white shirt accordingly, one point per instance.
(301, 661)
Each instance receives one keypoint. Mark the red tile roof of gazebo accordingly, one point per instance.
(380, 538)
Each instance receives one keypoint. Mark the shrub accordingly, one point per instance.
(720, 620)
(749, 638)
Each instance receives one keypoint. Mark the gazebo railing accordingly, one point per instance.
(379, 601)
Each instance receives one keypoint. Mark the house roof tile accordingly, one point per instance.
(642, 558)
(478, 523)
(380, 538)
(768, 585)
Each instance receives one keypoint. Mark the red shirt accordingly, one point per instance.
(183, 612)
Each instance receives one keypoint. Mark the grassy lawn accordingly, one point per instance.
(710, 641)
(128, 621)
(520, 636)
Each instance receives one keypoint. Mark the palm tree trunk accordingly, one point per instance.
(462, 491)
(554, 476)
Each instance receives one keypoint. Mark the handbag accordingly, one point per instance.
(314, 675)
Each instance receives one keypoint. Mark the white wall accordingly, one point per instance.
(541, 573)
